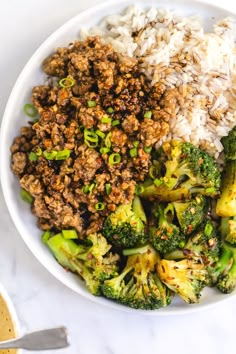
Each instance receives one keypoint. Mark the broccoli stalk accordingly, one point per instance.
(188, 170)
(186, 277)
(138, 285)
(165, 237)
(125, 227)
(93, 263)
(226, 204)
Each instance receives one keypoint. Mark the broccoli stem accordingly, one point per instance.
(136, 250)
(138, 209)
(163, 193)
(226, 204)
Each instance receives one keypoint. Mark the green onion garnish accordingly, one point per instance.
(85, 189)
(114, 159)
(110, 110)
(66, 82)
(153, 171)
(50, 155)
(38, 151)
(104, 150)
(26, 196)
(90, 138)
(139, 190)
(89, 188)
(70, 234)
(63, 154)
(208, 230)
(107, 140)
(91, 104)
(115, 122)
(33, 156)
(158, 182)
(108, 188)
(46, 236)
(210, 190)
(30, 110)
(106, 119)
(148, 114)
(133, 152)
(135, 143)
(99, 206)
(148, 149)
(100, 134)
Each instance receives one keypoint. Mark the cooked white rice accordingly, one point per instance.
(177, 52)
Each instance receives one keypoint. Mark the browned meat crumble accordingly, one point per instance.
(107, 80)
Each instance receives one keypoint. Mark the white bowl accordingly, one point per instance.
(32, 75)
(11, 310)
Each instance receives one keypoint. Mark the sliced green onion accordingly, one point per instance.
(91, 104)
(208, 230)
(148, 114)
(110, 110)
(50, 155)
(135, 143)
(33, 156)
(99, 206)
(38, 151)
(63, 154)
(89, 188)
(133, 152)
(108, 188)
(114, 159)
(115, 122)
(153, 171)
(100, 134)
(90, 138)
(139, 189)
(104, 150)
(107, 140)
(66, 82)
(148, 149)
(30, 110)
(158, 182)
(46, 236)
(26, 196)
(210, 190)
(106, 119)
(70, 234)
(85, 189)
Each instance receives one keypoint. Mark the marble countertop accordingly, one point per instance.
(42, 301)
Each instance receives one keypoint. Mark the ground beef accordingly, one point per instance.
(106, 97)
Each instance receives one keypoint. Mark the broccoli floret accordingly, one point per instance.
(186, 277)
(203, 246)
(228, 229)
(165, 236)
(229, 144)
(93, 263)
(188, 170)
(138, 285)
(225, 269)
(125, 227)
(190, 214)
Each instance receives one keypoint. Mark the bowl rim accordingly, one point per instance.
(50, 40)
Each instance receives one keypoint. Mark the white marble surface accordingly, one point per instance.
(40, 300)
